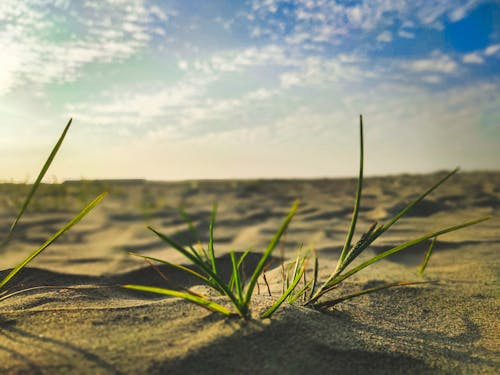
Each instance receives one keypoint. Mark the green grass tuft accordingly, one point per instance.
(351, 252)
(204, 262)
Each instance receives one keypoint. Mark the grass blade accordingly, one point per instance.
(263, 260)
(333, 302)
(284, 296)
(187, 296)
(37, 182)
(357, 201)
(189, 223)
(192, 256)
(47, 243)
(427, 256)
(417, 200)
(315, 275)
(404, 246)
(178, 266)
(236, 277)
(211, 251)
(240, 262)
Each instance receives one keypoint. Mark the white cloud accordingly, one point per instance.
(318, 71)
(432, 79)
(83, 36)
(437, 62)
(492, 50)
(460, 12)
(385, 37)
(406, 34)
(261, 94)
(472, 58)
(326, 21)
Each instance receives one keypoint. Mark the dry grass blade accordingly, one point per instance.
(333, 302)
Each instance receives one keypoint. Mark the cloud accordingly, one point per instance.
(406, 34)
(385, 36)
(44, 48)
(320, 71)
(437, 62)
(319, 21)
(472, 58)
(492, 50)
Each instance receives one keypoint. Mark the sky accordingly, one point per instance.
(173, 90)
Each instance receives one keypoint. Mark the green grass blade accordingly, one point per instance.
(189, 223)
(263, 260)
(240, 262)
(211, 251)
(333, 302)
(427, 256)
(417, 200)
(187, 296)
(315, 275)
(406, 245)
(301, 291)
(218, 283)
(357, 202)
(236, 277)
(192, 256)
(284, 296)
(47, 243)
(37, 182)
(178, 266)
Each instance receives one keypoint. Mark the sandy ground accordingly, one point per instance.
(86, 323)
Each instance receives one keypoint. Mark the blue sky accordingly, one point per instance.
(243, 89)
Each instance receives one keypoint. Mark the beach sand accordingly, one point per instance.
(84, 322)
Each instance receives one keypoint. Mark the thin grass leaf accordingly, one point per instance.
(240, 262)
(37, 183)
(193, 256)
(187, 296)
(178, 266)
(47, 243)
(333, 302)
(5, 295)
(418, 200)
(357, 201)
(427, 256)
(315, 275)
(293, 298)
(341, 264)
(274, 242)
(189, 223)
(211, 239)
(284, 296)
(236, 276)
(404, 246)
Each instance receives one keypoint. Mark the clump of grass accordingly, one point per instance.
(4, 293)
(350, 252)
(205, 268)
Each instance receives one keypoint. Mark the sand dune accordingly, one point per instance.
(86, 323)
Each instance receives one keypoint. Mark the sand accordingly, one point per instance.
(85, 323)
